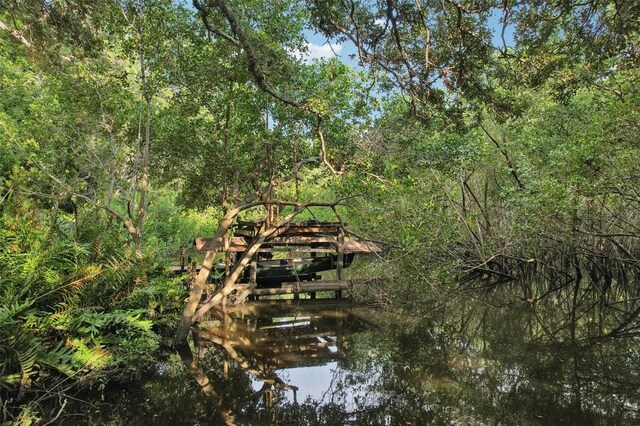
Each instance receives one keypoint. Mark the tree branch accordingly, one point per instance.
(323, 149)
(205, 19)
(16, 34)
(505, 154)
(252, 57)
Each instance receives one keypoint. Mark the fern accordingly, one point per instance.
(61, 357)
(88, 355)
(27, 358)
(9, 313)
(23, 353)
(56, 305)
(61, 315)
(10, 380)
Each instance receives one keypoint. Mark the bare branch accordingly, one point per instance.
(16, 34)
(205, 19)
(505, 154)
(323, 148)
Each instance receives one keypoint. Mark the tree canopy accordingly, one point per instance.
(475, 138)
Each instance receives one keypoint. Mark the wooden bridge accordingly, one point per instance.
(289, 262)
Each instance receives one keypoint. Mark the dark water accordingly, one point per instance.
(491, 356)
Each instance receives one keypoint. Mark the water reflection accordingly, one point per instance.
(483, 357)
(281, 335)
(277, 343)
(507, 354)
(225, 413)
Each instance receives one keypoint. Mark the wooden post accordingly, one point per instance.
(340, 256)
(227, 262)
(227, 254)
(269, 219)
(340, 259)
(254, 270)
(226, 324)
(193, 272)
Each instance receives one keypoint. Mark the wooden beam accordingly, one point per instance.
(303, 287)
(239, 244)
(253, 272)
(298, 249)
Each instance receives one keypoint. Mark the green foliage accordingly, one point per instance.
(51, 282)
(461, 156)
(170, 226)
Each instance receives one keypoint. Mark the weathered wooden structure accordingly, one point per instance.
(289, 262)
(271, 335)
(264, 337)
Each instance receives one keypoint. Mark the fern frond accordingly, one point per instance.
(88, 356)
(23, 350)
(27, 359)
(8, 314)
(10, 380)
(60, 357)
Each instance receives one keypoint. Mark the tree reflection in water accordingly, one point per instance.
(511, 353)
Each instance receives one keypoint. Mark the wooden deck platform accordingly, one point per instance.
(289, 261)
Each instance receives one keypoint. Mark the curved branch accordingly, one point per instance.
(16, 34)
(505, 154)
(205, 20)
(323, 149)
(255, 68)
(254, 63)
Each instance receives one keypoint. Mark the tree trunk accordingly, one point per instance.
(201, 280)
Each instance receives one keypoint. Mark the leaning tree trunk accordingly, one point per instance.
(201, 280)
(191, 313)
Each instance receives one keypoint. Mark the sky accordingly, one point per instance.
(320, 47)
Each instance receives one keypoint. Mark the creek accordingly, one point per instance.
(488, 355)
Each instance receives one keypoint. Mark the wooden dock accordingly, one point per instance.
(288, 262)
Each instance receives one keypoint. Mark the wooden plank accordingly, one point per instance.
(275, 339)
(302, 240)
(303, 287)
(239, 244)
(328, 308)
(300, 348)
(311, 229)
(250, 229)
(364, 247)
(296, 249)
(236, 244)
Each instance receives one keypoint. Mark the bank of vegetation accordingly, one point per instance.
(475, 139)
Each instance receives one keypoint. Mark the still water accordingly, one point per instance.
(498, 356)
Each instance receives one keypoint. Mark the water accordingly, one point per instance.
(483, 357)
